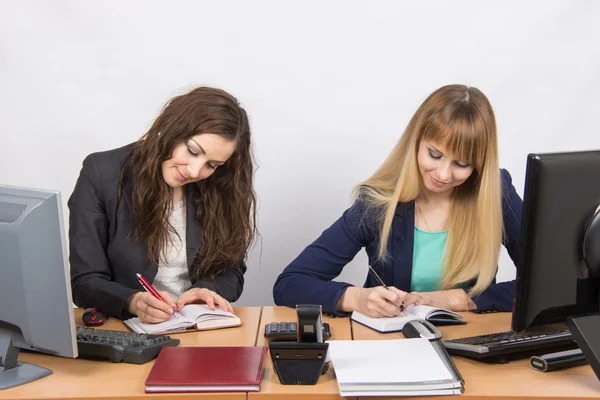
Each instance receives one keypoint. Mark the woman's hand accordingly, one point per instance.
(203, 295)
(454, 299)
(374, 302)
(149, 309)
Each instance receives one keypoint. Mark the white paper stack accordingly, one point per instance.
(404, 367)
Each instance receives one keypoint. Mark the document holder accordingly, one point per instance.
(298, 363)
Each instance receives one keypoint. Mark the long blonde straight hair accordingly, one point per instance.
(462, 119)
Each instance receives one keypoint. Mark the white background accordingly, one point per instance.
(329, 87)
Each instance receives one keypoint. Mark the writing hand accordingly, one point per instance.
(374, 302)
(203, 295)
(149, 309)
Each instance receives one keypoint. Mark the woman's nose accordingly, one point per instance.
(194, 169)
(444, 172)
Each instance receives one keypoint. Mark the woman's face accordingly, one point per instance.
(440, 171)
(196, 159)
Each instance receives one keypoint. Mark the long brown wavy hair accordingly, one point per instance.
(225, 202)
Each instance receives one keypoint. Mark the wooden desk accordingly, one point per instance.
(326, 387)
(515, 380)
(87, 379)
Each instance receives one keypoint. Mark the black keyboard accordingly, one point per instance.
(119, 346)
(504, 346)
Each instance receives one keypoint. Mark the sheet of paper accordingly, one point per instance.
(410, 362)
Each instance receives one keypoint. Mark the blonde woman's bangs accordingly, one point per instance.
(465, 140)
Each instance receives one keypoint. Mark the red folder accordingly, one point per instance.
(207, 369)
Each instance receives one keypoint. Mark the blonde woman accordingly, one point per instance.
(432, 219)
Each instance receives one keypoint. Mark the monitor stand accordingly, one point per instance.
(12, 372)
(586, 332)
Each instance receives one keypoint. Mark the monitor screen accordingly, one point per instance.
(36, 312)
(562, 194)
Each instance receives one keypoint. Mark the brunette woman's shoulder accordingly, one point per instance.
(107, 164)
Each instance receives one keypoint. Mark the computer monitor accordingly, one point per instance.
(36, 312)
(562, 196)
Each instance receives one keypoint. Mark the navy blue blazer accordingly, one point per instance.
(309, 278)
(105, 258)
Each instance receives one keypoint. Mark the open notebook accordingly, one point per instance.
(395, 324)
(191, 317)
(404, 367)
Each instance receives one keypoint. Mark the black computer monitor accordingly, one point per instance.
(36, 312)
(562, 195)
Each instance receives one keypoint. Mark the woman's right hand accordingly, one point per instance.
(375, 302)
(149, 309)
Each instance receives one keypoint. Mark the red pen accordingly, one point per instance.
(148, 288)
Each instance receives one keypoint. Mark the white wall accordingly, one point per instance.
(329, 86)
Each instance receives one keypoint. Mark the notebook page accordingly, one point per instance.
(383, 324)
(406, 361)
(424, 312)
(201, 312)
(175, 322)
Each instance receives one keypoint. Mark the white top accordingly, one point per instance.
(173, 275)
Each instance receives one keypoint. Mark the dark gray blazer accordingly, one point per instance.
(104, 258)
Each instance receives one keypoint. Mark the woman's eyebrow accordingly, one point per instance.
(204, 152)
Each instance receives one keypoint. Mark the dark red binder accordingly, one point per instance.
(207, 369)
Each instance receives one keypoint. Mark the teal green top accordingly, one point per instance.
(427, 260)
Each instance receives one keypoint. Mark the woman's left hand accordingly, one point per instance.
(203, 295)
(454, 299)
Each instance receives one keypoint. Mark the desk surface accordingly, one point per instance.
(87, 379)
(515, 380)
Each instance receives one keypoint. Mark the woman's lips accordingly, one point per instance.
(437, 183)
(179, 176)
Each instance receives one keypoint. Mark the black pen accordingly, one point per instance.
(383, 284)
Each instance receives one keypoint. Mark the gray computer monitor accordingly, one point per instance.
(36, 312)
